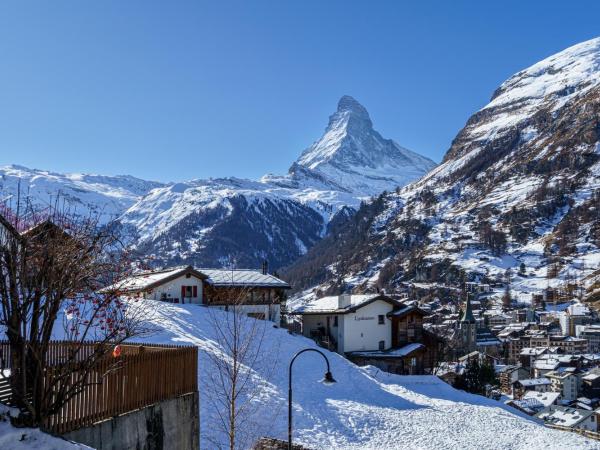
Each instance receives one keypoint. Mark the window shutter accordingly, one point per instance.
(182, 292)
(195, 288)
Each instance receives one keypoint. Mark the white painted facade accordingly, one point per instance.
(366, 329)
(362, 330)
(171, 290)
(566, 384)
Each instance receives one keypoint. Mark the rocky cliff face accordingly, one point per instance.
(518, 189)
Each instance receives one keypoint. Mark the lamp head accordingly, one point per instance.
(328, 379)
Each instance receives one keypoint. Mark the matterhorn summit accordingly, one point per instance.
(353, 155)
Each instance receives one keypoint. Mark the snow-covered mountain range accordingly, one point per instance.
(518, 189)
(211, 222)
(107, 196)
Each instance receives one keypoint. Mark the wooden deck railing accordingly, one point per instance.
(143, 375)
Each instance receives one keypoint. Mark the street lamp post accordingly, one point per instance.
(328, 379)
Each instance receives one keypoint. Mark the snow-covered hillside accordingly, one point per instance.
(519, 189)
(365, 409)
(104, 195)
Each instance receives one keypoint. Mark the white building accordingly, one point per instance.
(565, 382)
(592, 334)
(349, 323)
(255, 293)
(574, 315)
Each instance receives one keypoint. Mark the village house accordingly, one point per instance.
(507, 375)
(534, 402)
(591, 333)
(575, 418)
(590, 384)
(575, 314)
(520, 387)
(257, 293)
(371, 329)
(565, 382)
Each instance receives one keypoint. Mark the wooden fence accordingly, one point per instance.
(142, 375)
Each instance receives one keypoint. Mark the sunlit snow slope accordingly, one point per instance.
(366, 408)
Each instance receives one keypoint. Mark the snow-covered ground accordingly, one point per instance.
(12, 438)
(365, 409)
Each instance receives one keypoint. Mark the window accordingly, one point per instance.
(335, 321)
(381, 319)
(381, 345)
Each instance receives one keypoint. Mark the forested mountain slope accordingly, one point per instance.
(518, 189)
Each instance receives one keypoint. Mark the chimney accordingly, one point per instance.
(344, 300)
(265, 267)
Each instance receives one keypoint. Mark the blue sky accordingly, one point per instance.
(193, 89)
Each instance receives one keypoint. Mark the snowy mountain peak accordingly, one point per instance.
(549, 85)
(348, 108)
(352, 154)
(571, 69)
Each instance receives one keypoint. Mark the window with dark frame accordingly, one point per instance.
(381, 319)
(335, 321)
(381, 345)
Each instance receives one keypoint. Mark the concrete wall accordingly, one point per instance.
(171, 424)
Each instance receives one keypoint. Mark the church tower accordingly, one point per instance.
(467, 327)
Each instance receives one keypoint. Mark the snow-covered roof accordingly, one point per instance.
(591, 376)
(407, 309)
(145, 280)
(545, 398)
(560, 375)
(534, 351)
(242, 277)
(567, 417)
(534, 382)
(331, 304)
(546, 364)
(395, 353)
(216, 277)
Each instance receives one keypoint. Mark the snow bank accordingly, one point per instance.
(366, 409)
(12, 438)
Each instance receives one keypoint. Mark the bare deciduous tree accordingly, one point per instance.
(53, 265)
(240, 368)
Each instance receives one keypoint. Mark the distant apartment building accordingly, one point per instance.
(520, 387)
(565, 382)
(574, 315)
(591, 333)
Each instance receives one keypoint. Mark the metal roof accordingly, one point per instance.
(242, 277)
(216, 277)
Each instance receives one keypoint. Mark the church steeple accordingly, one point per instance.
(467, 315)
